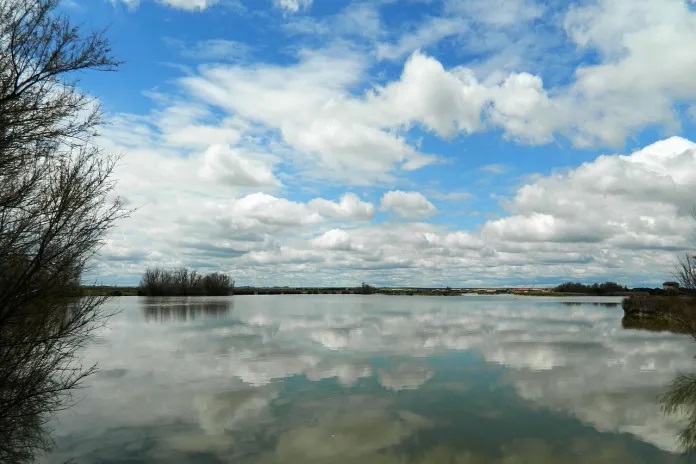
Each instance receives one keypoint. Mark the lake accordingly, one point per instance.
(374, 379)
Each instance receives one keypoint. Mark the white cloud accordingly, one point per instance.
(500, 13)
(349, 208)
(335, 239)
(230, 167)
(270, 210)
(312, 106)
(629, 34)
(428, 33)
(218, 149)
(293, 6)
(187, 5)
(628, 201)
(495, 168)
(521, 106)
(446, 102)
(308, 105)
(619, 217)
(408, 205)
(598, 107)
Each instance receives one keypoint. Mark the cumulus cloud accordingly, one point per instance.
(360, 138)
(309, 105)
(349, 208)
(230, 167)
(619, 217)
(408, 205)
(271, 210)
(232, 136)
(335, 239)
(598, 107)
(646, 192)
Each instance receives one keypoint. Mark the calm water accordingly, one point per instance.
(374, 379)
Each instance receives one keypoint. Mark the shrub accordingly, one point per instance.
(182, 282)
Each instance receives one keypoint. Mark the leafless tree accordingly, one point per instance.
(54, 212)
(686, 266)
(182, 282)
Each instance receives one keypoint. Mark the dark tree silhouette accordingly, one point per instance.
(367, 289)
(593, 289)
(686, 265)
(54, 184)
(182, 282)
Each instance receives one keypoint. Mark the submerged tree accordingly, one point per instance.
(54, 212)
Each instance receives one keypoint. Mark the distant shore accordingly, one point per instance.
(395, 291)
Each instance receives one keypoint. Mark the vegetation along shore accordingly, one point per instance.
(184, 282)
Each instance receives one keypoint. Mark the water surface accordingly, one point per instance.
(374, 379)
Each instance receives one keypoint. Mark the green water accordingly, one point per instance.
(374, 379)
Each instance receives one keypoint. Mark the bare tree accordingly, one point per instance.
(686, 266)
(182, 282)
(54, 212)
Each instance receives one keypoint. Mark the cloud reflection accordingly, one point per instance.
(576, 360)
(404, 376)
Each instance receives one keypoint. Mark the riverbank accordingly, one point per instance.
(394, 291)
(675, 313)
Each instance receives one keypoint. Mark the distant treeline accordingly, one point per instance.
(607, 288)
(183, 282)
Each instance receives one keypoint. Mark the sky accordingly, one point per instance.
(401, 143)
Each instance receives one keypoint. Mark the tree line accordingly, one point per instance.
(183, 282)
(606, 288)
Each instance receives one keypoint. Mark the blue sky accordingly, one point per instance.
(452, 142)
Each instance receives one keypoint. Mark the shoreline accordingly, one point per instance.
(673, 313)
(390, 291)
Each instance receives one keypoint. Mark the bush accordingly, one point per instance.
(182, 282)
(366, 289)
(606, 288)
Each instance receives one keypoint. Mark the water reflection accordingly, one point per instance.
(378, 379)
(654, 324)
(182, 309)
(607, 304)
